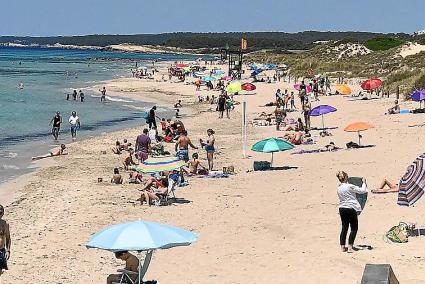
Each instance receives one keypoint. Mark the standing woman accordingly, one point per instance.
(209, 148)
(349, 208)
(306, 111)
(221, 105)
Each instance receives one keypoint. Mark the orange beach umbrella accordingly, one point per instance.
(357, 127)
(343, 89)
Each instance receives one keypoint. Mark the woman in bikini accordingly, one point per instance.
(392, 187)
(153, 190)
(209, 148)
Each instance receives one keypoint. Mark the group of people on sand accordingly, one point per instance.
(150, 143)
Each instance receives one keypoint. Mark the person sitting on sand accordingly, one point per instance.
(392, 187)
(194, 166)
(299, 126)
(178, 104)
(128, 162)
(131, 264)
(153, 189)
(117, 148)
(134, 177)
(59, 152)
(395, 109)
(116, 178)
(349, 207)
(125, 146)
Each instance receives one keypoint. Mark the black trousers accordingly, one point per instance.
(348, 218)
(152, 122)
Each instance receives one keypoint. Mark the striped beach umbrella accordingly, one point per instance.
(412, 184)
(160, 164)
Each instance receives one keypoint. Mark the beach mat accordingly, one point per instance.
(361, 198)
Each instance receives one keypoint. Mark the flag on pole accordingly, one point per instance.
(244, 44)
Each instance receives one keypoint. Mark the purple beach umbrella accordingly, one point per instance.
(321, 110)
(418, 96)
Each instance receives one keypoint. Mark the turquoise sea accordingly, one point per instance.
(47, 75)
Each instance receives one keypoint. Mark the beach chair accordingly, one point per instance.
(128, 276)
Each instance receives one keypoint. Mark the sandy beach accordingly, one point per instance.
(254, 227)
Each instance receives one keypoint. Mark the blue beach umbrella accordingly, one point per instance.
(208, 78)
(256, 72)
(140, 236)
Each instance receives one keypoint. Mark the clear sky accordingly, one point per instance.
(78, 17)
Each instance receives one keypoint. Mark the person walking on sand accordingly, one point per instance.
(56, 124)
(152, 117)
(5, 241)
(74, 121)
(103, 95)
(349, 208)
(209, 148)
(293, 101)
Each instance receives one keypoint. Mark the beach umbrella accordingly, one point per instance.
(256, 72)
(412, 183)
(248, 87)
(322, 110)
(227, 78)
(371, 84)
(418, 96)
(141, 236)
(271, 145)
(208, 78)
(358, 127)
(181, 65)
(343, 89)
(308, 88)
(218, 72)
(160, 164)
(234, 87)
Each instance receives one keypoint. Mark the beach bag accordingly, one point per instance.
(398, 234)
(146, 115)
(261, 165)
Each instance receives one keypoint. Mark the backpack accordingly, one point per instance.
(146, 115)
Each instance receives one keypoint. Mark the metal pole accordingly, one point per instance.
(323, 123)
(244, 129)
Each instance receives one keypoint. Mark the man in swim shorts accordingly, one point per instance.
(74, 121)
(182, 146)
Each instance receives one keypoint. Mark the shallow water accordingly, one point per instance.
(47, 75)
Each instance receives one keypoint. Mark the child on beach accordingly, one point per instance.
(163, 125)
(116, 178)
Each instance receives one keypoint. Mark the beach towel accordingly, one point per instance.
(215, 174)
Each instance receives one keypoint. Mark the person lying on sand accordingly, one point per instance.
(330, 147)
(59, 152)
(395, 109)
(153, 190)
(294, 138)
(116, 178)
(392, 187)
(128, 162)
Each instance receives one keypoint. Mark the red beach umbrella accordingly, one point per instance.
(371, 84)
(248, 87)
(181, 65)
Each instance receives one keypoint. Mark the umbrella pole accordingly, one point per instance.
(359, 137)
(323, 123)
(272, 160)
(143, 269)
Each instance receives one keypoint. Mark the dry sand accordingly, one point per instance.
(254, 227)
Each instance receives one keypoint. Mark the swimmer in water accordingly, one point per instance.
(21, 86)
